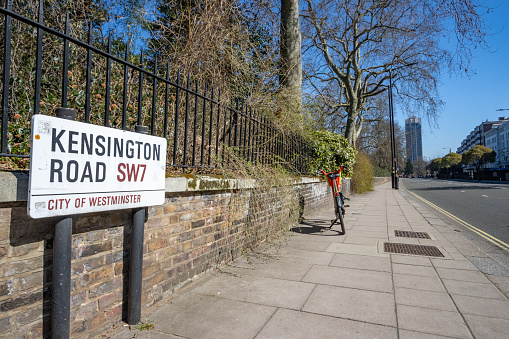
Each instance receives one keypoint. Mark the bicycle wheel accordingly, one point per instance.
(339, 213)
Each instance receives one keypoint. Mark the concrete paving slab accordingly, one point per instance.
(369, 228)
(426, 299)
(362, 262)
(146, 334)
(201, 316)
(470, 250)
(483, 327)
(327, 235)
(350, 277)
(362, 241)
(432, 321)
(463, 275)
(368, 234)
(422, 271)
(302, 325)
(410, 260)
(455, 264)
(405, 334)
(259, 290)
(418, 283)
(277, 269)
(355, 249)
(368, 306)
(309, 257)
(310, 245)
(501, 282)
(473, 289)
(484, 307)
(403, 240)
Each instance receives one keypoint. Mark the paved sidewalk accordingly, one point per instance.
(326, 285)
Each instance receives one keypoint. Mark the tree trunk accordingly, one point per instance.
(350, 131)
(291, 65)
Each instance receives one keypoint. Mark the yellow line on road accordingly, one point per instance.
(474, 229)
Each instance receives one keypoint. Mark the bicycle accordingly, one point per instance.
(334, 179)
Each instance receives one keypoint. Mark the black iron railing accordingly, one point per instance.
(108, 84)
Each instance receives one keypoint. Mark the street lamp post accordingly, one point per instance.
(391, 126)
(394, 176)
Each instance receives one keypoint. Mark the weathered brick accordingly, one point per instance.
(78, 327)
(114, 312)
(110, 299)
(119, 268)
(78, 298)
(154, 245)
(95, 276)
(199, 242)
(155, 210)
(5, 325)
(4, 250)
(82, 266)
(23, 266)
(117, 242)
(97, 320)
(7, 287)
(94, 236)
(103, 288)
(186, 236)
(150, 269)
(198, 205)
(156, 279)
(186, 216)
(88, 250)
(198, 223)
(29, 316)
(169, 208)
(31, 281)
(23, 300)
(114, 257)
(18, 251)
(180, 258)
(86, 311)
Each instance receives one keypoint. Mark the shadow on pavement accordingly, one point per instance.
(315, 227)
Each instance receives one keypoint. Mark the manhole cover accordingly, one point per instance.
(430, 251)
(410, 234)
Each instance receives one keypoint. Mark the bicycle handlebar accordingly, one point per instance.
(342, 168)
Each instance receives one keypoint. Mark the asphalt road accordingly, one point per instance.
(482, 205)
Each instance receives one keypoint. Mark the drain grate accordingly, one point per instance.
(430, 251)
(410, 234)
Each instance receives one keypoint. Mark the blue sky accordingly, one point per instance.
(469, 101)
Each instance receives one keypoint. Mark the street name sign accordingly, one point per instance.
(80, 168)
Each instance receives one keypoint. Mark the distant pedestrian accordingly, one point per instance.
(495, 175)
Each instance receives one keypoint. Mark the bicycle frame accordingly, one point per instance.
(334, 179)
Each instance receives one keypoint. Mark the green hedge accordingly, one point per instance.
(330, 151)
(363, 174)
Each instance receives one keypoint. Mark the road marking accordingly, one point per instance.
(465, 224)
(462, 191)
(484, 196)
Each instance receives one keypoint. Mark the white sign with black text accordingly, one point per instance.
(81, 168)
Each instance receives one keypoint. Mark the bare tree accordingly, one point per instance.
(356, 45)
(375, 139)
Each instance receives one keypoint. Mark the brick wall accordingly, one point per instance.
(201, 225)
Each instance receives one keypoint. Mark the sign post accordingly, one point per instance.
(136, 259)
(61, 273)
(78, 168)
